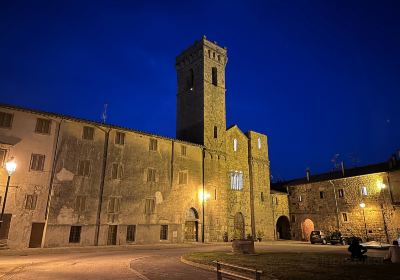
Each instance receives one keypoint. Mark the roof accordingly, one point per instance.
(71, 118)
(337, 174)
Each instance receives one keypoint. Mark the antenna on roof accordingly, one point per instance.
(104, 114)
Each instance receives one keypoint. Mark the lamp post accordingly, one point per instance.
(204, 196)
(362, 205)
(381, 187)
(10, 167)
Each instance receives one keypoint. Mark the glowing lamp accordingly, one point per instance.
(11, 165)
(381, 185)
(204, 196)
(362, 205)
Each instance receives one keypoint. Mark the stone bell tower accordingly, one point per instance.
(201, 115)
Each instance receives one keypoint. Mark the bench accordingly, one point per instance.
(230, 271)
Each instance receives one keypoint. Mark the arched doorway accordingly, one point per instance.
(283, 228)
(191, 225)
(238, 225)
(307, 227)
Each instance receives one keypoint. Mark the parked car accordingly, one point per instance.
(318, 236)
(338, 238)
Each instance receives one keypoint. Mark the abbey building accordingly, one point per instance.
(81, 183)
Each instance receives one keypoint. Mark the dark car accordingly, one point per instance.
(318, 236)
(338, 238)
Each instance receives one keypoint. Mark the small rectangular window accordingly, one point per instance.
(114, 204)
(151, 175)
(262, 197)
(153, 145)
(3, 153)
(293, 218)
(130, 233)
(164, 232)
(84, 168)
(30, 202)
(300, 198)
(183, 150)
(120, 138)
(215, 194)
(150, 206)
(88, 133)
(75, 234)
(236, 180)
(341, 193)
(43, 126)
(80, 204)
(364, 191)
(321, 194)
(117, 171)
(215, 132)
(276, 201)
(259, 143)
(214, 76)
(183, 177)
(37, 162)
(344, 217)
(6, 119)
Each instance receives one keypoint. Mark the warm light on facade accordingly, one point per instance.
(11, 165)
(380, 185)
(203, 196)
(362, 205)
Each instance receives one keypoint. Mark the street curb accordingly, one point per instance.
(198, 265)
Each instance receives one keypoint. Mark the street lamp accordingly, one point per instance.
(11, 165)
(203, 196)
(362, 205)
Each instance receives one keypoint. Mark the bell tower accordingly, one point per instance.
(201, 115)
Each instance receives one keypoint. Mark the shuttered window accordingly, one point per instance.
(6, 120)
(30, 202)
(43, 126)
(37, 162)
(84, 168)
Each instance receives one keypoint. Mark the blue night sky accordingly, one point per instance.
(318, 77)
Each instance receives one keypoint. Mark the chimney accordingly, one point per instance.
(308, 174)
(342, 166)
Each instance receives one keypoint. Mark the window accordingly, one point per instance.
(321, 194)
(214, 76)
(276, 201)
(88, 133)
(43, 126)
(37, 162)
(164, 232)
(236, 179)
(120, 138)
(150, 206)
(341, 193)
(153, 145)
(262, 197)
(117, 171)
(209, 53)
(364, 191)
(183, 150)
(344, 217)
(215, 194)
(80, 203)
(30, 202)
(151, 175)
(293, 218)
(190, 80)
(235, 145)
(75, 234)
(6, 119)
(3, 153)
(183, 177)
(130, 233)
(259, 143)
(300, 198)
(219, 58)
(215, 132)
(114, 204)
(84, 168)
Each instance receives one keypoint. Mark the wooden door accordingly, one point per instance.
(112, 235)
(36, 235)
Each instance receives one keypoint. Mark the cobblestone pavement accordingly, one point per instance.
(134, 262)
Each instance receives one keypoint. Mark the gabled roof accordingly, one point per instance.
(235, 126)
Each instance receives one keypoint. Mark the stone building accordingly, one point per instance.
(362, 201)
(80, 182)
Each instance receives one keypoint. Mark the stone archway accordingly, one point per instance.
(239, 226)
(283, 228)
(307, 227)
(192, 225)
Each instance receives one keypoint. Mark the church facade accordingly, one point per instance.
(81, 183)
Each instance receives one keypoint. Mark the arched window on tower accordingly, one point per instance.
(214, 76)
(215, 132)
(235, 145)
